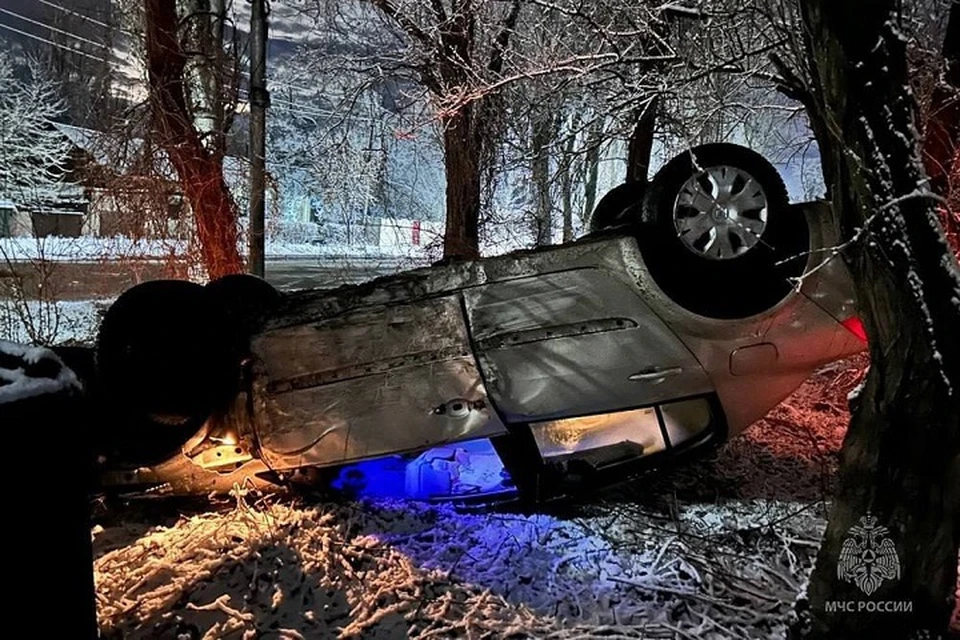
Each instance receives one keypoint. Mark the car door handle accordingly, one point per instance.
(658, 375)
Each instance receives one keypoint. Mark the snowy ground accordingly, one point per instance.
(390, 569)
(716, 549)
(88, 248)
(44, 322)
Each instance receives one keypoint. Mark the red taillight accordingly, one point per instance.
(855, 326)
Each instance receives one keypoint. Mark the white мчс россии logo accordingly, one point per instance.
(868, 556)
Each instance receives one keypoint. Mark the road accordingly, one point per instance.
(98, 280)
(310, 273)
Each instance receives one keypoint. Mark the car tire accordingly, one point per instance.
(620, 206)
(721, 239)
(245, 301)
(163, 355)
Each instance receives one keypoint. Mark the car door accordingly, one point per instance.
(573, 343)
(380, 380)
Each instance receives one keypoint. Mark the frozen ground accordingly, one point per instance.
(96, 249)
(716, 549)
(388, 569)
(49, 323)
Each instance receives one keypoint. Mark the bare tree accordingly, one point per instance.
(199, 168)
(34, 158)
(544, 132)
(941, 125)
(212, 71)
(33, 154)
(457, 43)
(572, 80)
(899, 484)
(474, 60)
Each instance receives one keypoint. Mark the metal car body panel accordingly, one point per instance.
(558, 329)
(575, 342)
(373, 381)
(572, 339)
(804, 328)
(578, 292)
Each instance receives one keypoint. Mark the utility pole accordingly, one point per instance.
(259, 101)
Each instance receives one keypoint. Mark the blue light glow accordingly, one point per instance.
(452, 471)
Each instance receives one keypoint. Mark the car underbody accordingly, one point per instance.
(536, 374)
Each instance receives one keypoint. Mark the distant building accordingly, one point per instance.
(13, 221)
(117, 187)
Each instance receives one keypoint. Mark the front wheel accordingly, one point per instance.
(722, 240)
(621, 206)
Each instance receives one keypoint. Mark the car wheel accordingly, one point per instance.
(722, 240)
(620, 206)
(162, 354)
(245, 301)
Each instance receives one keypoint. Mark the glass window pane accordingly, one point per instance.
(563, 437)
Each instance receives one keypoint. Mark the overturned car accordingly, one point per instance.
(692, 308)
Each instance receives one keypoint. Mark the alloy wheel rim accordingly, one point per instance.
(721, 212)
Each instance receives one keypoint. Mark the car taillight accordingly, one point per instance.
(855, 326)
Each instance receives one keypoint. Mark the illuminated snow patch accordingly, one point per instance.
(409, 569)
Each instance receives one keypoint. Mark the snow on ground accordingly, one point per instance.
(86, 248)
(421, 254)
(718, 548)
(96, 249)
(392, 569)
(50, 323)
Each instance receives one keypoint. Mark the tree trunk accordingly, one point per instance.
(899, 476)
(203, 80)
(566, 184)
(542, 137)
(640, 147)
(592, 167)
(462, 157)
(941, 152)
(200, 172)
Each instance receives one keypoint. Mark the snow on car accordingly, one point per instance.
(691, 310)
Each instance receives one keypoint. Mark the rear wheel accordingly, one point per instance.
(722, 240)
(245, 301)
(164, 363)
